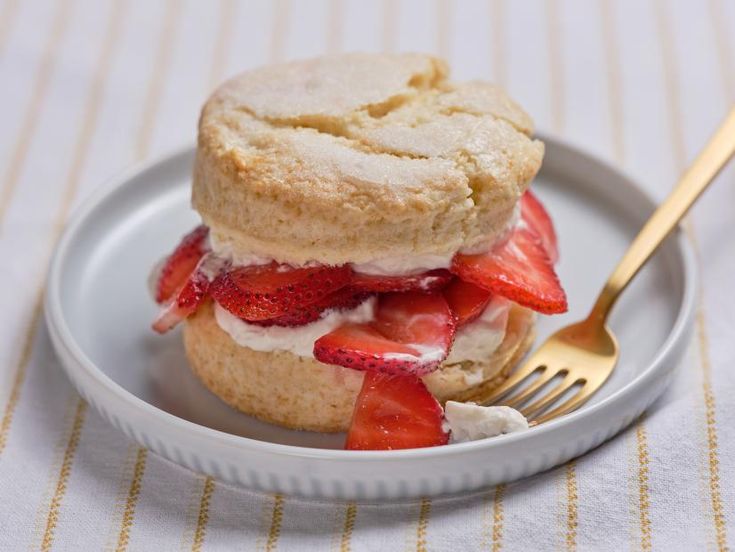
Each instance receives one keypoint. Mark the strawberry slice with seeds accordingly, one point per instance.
(395, 412)
(411, 334)
(180, 264)
(519, 269)
(425, 281)
(191, 294)
(342, 299)
(263, 292)
(534, 215)
(466, 301)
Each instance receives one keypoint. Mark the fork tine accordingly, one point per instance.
(526, 393)
(541, 403)
(515, 378)
(579, 398)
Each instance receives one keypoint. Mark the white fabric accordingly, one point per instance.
(642, 84)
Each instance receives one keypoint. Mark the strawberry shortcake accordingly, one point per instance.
(369, 249)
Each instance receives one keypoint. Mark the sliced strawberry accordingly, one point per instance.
(188, 298)
(342, 299)
(534, 214)
(395, 412)
(466, 301)
(426, 281)
(411, 334)
(181, 262)
(262, 292)
(519, 270)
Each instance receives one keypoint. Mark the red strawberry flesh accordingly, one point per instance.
(411, 334)
(466, 301)
(179, 265)
(425, 281)
(519, 269)
(342, 299)
(188, 298)
(534, 215)
(395, 412)
(263, 292)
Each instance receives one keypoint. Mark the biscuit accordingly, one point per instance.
(302, 393)
(359, 157)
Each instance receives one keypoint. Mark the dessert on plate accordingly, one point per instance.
(369, 249)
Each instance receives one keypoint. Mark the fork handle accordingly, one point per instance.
(695, 180)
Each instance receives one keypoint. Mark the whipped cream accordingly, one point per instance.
(479, 339)
(470, 422)
(298, 340)
(404, 265)
(426, 353)
(476, 341)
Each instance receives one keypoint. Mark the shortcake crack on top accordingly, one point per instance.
(357, 157)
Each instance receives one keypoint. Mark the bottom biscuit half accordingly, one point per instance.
(302, 393)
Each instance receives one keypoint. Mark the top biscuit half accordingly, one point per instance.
(360, 157)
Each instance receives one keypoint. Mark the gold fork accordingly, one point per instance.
(584, 354)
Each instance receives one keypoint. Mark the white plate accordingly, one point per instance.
(98, 311)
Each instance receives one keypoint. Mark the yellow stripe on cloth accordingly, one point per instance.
(444, 9)
(52, 518)
(389, 26)
(570, 534)
(556, 73)
(643, 492)
(498, 518)
(718, 512)
(422, 524)
(55, 459)
(349, 526)
(41, 83)
(334, 26)
(673, 98)
(281, 10)
(7, 18)
(203, 518)
(724, 54)
(20, 373)
(128, 518)
(72, 181)
(81, 150)
(222, 46)
(497, 26)
(491, 529)
(158, 78)
(274, 531)
(612, 66)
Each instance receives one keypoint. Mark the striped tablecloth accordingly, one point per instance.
(88, 87)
